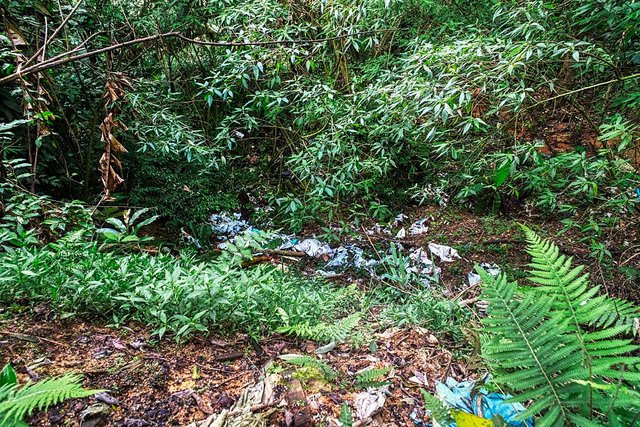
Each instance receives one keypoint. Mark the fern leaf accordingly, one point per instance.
(529, 351)
(346, 417)
(575, 300)
(371, 378)
(310, 362)
(439, 411)
(23, 400)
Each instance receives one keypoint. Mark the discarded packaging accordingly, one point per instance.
(226, 225)
(350, 256)
(243, 412)
(492, 269)
(446, 253)
(422, 264)
(418, 227)
(369, 402)
(313, 248)
(467, 396)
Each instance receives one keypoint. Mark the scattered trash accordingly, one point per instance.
(350, 256)
(105, 397)
(446, 253)
(369, 402)
(247, 410)
(190, 239)
(422, 264)
(419, 378)
(399, 219)
(468, 397)
(492, 269)
(325, 348)
(94, 415)
(226, 225)
(401, 234)
(418, 227)
(313, 248)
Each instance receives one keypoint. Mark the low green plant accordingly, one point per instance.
(310, 362)
(372, 378)
(560, 346)
(346, 417)
(18, 401)
(126, 229)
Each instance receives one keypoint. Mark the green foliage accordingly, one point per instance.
(372, 378)
(543, 346)
(310, 362)
(126, 229)
(346, 417)
(17, 401)
(178, 190)
(425, 309)
(337, 331)
(439, 412)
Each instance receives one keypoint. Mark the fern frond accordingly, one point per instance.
(20, 401)
(575, 300)
(340, 330)
(371, 378)
(310, 362)
(346, 417)
(439, 411)
(337, 331)
(531, 352)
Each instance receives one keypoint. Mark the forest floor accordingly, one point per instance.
(152, 383)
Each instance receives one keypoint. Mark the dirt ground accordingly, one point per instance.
(158, 384)
(153, 383)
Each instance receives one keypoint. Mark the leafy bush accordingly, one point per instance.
(181, 192)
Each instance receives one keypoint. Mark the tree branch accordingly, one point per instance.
(60, 59)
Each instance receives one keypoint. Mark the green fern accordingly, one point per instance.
(346, 417)
(439, 411)
(577, 301)
(539, 345)
(310, 362)
(371, 378)
(337, 331)
(16, 401)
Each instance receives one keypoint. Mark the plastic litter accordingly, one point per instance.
(468, 397)
(399, 219)
(418, 227)
(401, 234)
(350, 255)
(446, 253)
(226, 225)
(313, 248)
(369, 402)
(492, 269)
(422, 264)
(241, 413)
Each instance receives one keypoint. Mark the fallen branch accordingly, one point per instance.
(31, 338)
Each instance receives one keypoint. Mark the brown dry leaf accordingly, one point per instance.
(116, 147)
(14, 34)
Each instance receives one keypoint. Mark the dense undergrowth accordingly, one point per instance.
(54, 255)
(501, 105)
(326, 114)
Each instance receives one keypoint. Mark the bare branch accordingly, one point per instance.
(60, 59)
(55, 33)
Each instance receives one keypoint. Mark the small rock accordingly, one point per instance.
(135, 422)
(95, 415)
(105, 397)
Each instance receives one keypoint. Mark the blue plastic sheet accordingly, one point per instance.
(468, 397)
